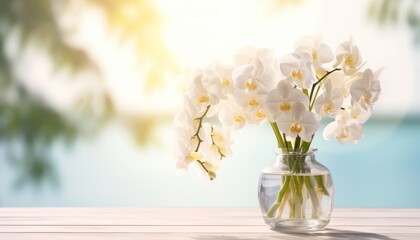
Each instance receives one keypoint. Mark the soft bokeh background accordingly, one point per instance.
(88, 89)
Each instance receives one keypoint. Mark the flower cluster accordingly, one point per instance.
(292, 93)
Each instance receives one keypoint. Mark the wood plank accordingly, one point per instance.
(193, 216)
(355, 212)
(188, 229)
(209, 221)
(207, 236)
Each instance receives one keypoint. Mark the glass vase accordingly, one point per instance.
(296, 192)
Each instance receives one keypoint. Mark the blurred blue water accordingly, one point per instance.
(383, 170)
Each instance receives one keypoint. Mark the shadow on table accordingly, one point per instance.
(325, 234)
(329, 233)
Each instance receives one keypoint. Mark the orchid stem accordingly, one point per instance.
(280, 142)
(322, 78)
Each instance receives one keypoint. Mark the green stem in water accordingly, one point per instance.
(320, 183)
(314, 198)
(279, 198)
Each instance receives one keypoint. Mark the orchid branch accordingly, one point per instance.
(322, 78)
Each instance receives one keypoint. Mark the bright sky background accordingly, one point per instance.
(199, 32)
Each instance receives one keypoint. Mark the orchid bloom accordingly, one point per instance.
(217, 142)
(221, 142)
(298, 68)
(320, 52)
(253, 77)
(366, 90)
(330, 101)
(253, 105)
(218, 80)
(359, 113)
(299, 122)
(348, 57)
(184, 144)
(198, 93)
(344, 128)
(280, 100)
(232, 115)
(340, 81)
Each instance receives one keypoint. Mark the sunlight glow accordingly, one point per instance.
(199, 32)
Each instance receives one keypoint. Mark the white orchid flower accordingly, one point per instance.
(205, 158)
(348, 57)
(249, 101)
(344, 128)
(298, 68)
(253, 105)
(217, 79)
(320, 52)
(183, 130)
(253, 77)
(367, 89)
(359, 113)
(232, 115)
(184, 148)
(342, 82)
(299, 122)
(200, 97)
(330, 101)
(256, 116)
(184, 120)
(280, 100)
(248, 54)
(219, 144)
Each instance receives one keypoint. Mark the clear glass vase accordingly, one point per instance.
(296, 192)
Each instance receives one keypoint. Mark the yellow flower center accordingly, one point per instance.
(296, 128)
(238, 118)
(285, 107)
(344, 135)
(225, 82)
(329, 108)
(314, 55)
(350, 61)
(251, 85)
(203, 99)
(367, 98)
(260, 114)
(297, 74)
(253, 102)
(356, 116)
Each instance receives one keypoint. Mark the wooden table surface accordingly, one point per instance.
(195, 223)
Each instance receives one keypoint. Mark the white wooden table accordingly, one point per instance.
(195, 223)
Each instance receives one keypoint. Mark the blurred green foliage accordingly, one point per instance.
(29, 126)
(392, 12)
